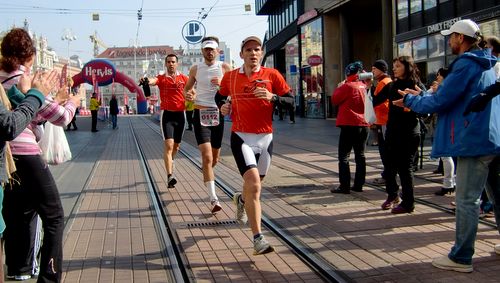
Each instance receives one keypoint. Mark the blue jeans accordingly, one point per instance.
(473, 175)
(113, 120)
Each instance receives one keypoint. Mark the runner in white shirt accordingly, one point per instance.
(207, 121)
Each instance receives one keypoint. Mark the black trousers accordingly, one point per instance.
(352, 137)
(73, 122)
(94, 119)
(401, 151)
(382, 147)
(35, 194)
(189, 118)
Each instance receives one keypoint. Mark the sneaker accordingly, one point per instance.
(241, 215)
(379, 181)
(261, 246)
(446, 263)
(19, 277)
(497, 249)
(390, 202)
(401, 209)
(171, 182)
(215, 206)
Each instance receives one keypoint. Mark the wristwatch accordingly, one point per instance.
(274, 98)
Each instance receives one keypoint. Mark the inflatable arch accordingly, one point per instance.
(104, 73)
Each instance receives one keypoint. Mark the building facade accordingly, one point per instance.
(148, 61)
(311, 42)
(418, 25)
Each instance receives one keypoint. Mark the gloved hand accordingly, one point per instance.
(478, 103)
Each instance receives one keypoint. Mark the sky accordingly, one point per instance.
(161, 23)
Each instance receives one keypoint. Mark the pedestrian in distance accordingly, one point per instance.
(473, 138)
(94, 108)
(208, 122)
(172, 117)
(250, 93)
(113, 111)
(350, 98)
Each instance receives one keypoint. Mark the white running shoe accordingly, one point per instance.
(261, 246)
(241, 215)
(19, 277)
(215, 206)
(497, 249)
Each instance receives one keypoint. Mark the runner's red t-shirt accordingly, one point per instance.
(250, 114)
(171, 92)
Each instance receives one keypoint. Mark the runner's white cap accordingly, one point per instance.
(210, 44)
(465, 27)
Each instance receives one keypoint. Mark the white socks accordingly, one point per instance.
(211, 190)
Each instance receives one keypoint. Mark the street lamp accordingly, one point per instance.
(69, 36)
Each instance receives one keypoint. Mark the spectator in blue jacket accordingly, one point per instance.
(474, 138)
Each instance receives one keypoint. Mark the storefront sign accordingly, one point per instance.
(307, 16)
(102, 70)
(442, 25)
(314, 60)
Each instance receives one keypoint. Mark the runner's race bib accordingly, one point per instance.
(209, 117)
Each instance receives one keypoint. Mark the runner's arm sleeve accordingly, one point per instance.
(286, 99)
(220, 99)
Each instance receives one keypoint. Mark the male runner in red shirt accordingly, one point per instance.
(253, 90)
(172, 117)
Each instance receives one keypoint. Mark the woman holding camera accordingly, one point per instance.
(402, 136)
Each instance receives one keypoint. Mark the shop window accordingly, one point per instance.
(432, 68)
(404, 49)
(490, 28)
(419, 49)
(436, 45)
(402, 9)
(312, 83)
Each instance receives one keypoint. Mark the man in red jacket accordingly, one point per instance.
(350, 99)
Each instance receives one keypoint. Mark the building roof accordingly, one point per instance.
(128, 52)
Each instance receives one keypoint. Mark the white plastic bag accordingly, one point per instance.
(54, 145)
(370, 117)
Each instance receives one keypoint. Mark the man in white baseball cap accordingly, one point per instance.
(474, 138)
(465, 27)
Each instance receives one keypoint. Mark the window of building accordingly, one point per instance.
(312, 83)
(415, 6)
(436, 45)
(404, 49)
(490, 28)
(402, 9)
(420, 49)
(429, 4)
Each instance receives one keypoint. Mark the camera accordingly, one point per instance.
(365, 76)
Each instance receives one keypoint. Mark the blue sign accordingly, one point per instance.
(193, 32)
